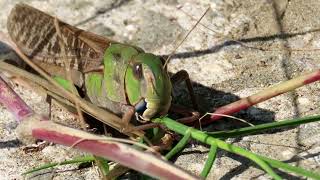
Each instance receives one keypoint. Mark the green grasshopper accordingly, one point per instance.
(118, 77)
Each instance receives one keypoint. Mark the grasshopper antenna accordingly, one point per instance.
(186, 36)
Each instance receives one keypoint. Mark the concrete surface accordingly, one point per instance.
(221, 68)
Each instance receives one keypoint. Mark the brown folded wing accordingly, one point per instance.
(35, 34)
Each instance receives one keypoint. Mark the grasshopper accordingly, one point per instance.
(118, 77)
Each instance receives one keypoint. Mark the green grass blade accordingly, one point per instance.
(81, 159)
(289, 168)
(211, 157)
(180, 145)
(262, 127)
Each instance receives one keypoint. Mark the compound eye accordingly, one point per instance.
(137, 70)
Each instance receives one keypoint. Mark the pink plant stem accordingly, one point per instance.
(126, 155)
(13, 102)
(266, 94)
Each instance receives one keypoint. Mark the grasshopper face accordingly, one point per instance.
(148, 85)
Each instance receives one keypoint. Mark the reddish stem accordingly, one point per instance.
(266, 94)
(13, 102)
(126, 155)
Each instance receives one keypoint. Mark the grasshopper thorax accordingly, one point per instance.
(138, 79)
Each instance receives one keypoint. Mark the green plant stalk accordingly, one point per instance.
(262, 127)
(205, 138)
(211, 157)
(287, 167)
(81, 159)
(260, 160)
(179, 146)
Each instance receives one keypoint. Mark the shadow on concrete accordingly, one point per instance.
(103, 10)
(241, 42)
(210, 99)
(10, 144)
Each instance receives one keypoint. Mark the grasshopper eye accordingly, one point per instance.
(137, 70)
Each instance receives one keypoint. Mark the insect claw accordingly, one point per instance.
(141, 119)
(137, 116)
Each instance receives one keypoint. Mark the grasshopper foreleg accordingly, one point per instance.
(183, 75)
(180, 76)
(128, 113)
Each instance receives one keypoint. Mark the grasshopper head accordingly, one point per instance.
(148, 85)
